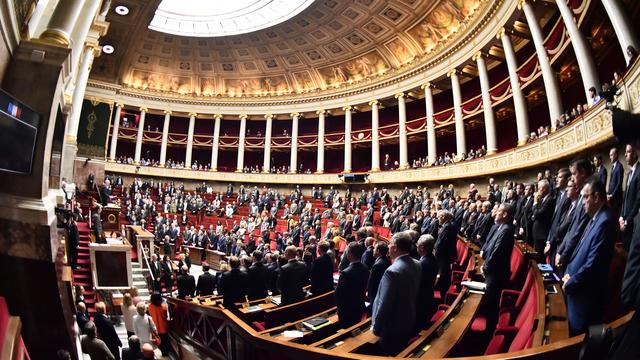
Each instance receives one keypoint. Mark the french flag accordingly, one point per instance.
(14, 110)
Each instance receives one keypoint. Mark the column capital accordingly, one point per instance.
(347, 108)
(295, 115)
(119, 104)
(374, 102)
(479, 55)
(522, 3)
(144, 109)
(399, 95)
(427, 85)
(167, 112)
(193, 114)
(453, 72)
(269, 116)
(242, 116)
(321, 112)
(217, 116)
(501, 32)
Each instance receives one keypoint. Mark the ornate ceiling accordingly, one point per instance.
(330, 45)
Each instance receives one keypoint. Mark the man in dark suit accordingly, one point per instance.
(258, 277)
(186, 283)
(81, 316)
(497, 262)
(156, 268)
(352, 285)
(206, 282)
(233, 284)
(541, 216)
(483, 224)
(73, 242)
(394, 309)
(585, 281)
(429, 266)
(321, 273)
(293, 276)
(631, 202)
(614, 192)
(445, 250)
(381, 253)
(581, 169)
(106, 331)
(599, 170)
(562, 215)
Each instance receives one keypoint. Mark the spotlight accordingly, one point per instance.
(122, 10)
(108, 49)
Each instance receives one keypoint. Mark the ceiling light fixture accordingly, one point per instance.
(108, 49)
(122, 10)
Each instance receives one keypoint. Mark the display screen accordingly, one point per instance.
(18, 135)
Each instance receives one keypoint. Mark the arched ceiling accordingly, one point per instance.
(330, 45)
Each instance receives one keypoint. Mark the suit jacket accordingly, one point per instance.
(321, 275)
(588, 269)
(394, 309)
(615, 183)
(368, 258)
(379, 266)
(601, 173)
(483, 226)
(186, 285)
(206, 284)
(541, 219)
(106, 331)
(350, 293)
(561, 207)
(497, 252)
(233, 286)
(424, 303)
(631, 198)
(258, 281)
(579, 222)
(293, 276)
(445, 247)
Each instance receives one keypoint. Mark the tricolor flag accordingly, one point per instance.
(14, 110)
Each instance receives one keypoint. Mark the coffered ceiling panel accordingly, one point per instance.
(330, 44)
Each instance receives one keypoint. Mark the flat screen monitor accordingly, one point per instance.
(18, 135)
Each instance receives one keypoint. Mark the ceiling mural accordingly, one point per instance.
(329, 45)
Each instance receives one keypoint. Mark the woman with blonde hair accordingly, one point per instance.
(128, 312)
(143, 324)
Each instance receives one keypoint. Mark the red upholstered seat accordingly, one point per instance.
(260, 326)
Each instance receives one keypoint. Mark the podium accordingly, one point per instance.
(111, 218)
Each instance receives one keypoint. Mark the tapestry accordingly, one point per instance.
(93, 128)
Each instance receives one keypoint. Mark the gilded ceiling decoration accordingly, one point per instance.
(330, 45)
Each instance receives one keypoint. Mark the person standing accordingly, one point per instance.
(429, 267)
(206, 282)
(585, 280)
(233, 284)
(381, 253)
(497, 262)
(106, 331)
(352, 285)
(631, 202)
(258, 277)
(293, 276)
(394, 309)
(186, 283)
(321, 273)
(541, 216)
(96, 348)
(128, 312)
(143, 324)
(614, 192)
(73, 241)
(159, 311)
(445, 250)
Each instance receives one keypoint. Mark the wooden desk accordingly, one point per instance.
(308, 336)
(214, 257)
(349, 339)
(195, 254)
(454, 329)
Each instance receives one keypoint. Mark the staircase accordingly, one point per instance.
(82, 276)
(139, 281)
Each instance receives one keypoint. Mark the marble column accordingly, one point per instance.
(143, 114)
(266, 161)
(402, 131)
(375, 136)
(320, 160)
(461, 139)
(81, 29)
(489, 117)
(165, 137)
(192, 125)
(114, 133)
(70, 145)
(431, 126)
(215, 143)
(519, 101)
(62, 21)
(347, 138)
(241, 140)
(293, 164)
(551, 86)
(625, 31)
(581, 48)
